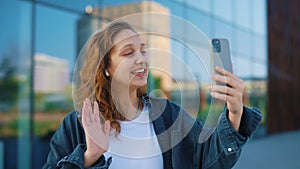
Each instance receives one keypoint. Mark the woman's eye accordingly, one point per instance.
(128, 54)
(143, 52)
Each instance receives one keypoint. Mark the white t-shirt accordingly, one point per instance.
(136, 146)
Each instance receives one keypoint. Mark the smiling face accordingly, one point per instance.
(128, 60)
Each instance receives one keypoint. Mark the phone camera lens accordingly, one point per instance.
(216, 45)
(216, 41)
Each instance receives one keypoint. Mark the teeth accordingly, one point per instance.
(139, 71)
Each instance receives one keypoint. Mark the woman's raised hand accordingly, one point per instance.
(96, 134)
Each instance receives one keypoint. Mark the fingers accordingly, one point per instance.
(234, 89)
(228, 78)
(232, 94)
(224, 93)
(89, 110)
(96, 112)
(224, 72)
(106, 128)
(86, 117)
(224, 97)
(223, 90)
(88, 114)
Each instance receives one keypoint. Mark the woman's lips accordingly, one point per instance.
(140, 72)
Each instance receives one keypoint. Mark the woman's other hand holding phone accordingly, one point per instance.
(231, 93)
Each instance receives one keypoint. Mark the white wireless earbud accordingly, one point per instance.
(106, 73)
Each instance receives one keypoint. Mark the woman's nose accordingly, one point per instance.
(142, 58)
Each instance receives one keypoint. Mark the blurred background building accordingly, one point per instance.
(284, 68)
(40, 41)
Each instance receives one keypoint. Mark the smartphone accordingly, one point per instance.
(220, 54)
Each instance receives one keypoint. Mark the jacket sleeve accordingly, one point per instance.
(67, 147)
(223, 148)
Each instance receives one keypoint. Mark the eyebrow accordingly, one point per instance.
(129, 45)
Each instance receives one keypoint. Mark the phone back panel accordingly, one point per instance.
(221, 54)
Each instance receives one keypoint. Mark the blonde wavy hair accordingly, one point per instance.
(95, 85)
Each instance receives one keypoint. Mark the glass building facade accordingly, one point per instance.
(40, 41)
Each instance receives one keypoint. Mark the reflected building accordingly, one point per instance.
(51, 74)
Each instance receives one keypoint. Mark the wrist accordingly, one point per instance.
(91, 157)
(94, 153)
(235, 119)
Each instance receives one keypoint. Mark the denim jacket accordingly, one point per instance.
(177, 133)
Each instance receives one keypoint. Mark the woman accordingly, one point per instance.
(117, 94)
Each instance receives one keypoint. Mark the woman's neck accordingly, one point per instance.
(127, 103)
